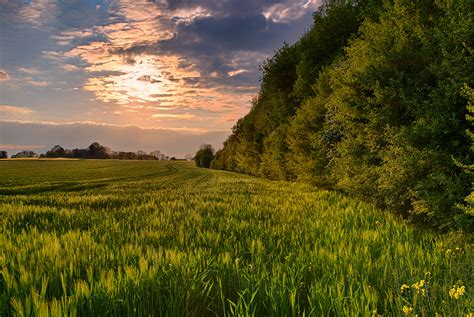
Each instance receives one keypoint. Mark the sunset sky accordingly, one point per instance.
(163, 74)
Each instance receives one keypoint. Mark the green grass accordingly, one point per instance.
(161, 238)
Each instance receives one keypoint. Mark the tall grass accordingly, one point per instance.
(146, 238)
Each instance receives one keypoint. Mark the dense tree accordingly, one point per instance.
(257, 144)
(397, 103)
(204, 156)
(25, 154)
(370, 101)
(3, 154)
(56, 151)
(310, 139)
(467, 206)
(97, 151)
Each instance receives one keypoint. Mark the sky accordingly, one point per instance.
(135, 74)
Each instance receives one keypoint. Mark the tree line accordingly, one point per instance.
(373, 100)
(93, 151)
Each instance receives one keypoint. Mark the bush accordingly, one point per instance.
(204, 156)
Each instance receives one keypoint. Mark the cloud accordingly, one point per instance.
(195, 42)
(14, 110)
(199, 59)
(70, 67)
(37, 83)
(4, 75)
(173, 116)
(29, 71)
(173, 142)
(20, 147)
(39, 12)
(290, 11)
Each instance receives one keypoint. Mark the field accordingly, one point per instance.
(163, 238)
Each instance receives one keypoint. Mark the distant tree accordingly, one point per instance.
(56, 151)
(141, 155)
(79, 153)
(158, 155)
(124, 155)
(97, 151)
(204, 156)
(173, 158)
(3, 154)
(25, 154)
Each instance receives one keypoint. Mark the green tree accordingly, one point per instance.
(258, 145)
(97, 151)
(25, 154)
(468, 207)
(56, 151)
(397, 101)
(204, 156)
(309, 137)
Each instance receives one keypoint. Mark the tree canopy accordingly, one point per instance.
(204, 156)
(370, 101)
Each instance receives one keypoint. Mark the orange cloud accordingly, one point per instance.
(20, 147)
(173, 116)
(4, 75)
(14, 109)
(135, 85)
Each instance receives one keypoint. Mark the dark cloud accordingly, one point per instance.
(216, 34)
(211, 44)
(224, 7)
(125, 138)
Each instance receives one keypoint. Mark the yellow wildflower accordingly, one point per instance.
(407, 310)
(457, 292)
(404, 287)
(419, 286)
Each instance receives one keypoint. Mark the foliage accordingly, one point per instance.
(369, 102)
(286, 82)
(25, 154)
(56, 151)
(401, 116)
(204, 156)
(98, 151)
(114, 238)
(468, 205)
(3, 154)
(95, 150)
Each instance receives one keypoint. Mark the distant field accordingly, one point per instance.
(161, 238)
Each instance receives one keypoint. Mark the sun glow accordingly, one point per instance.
(146, 78)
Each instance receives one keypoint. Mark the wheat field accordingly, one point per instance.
(140, 238)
